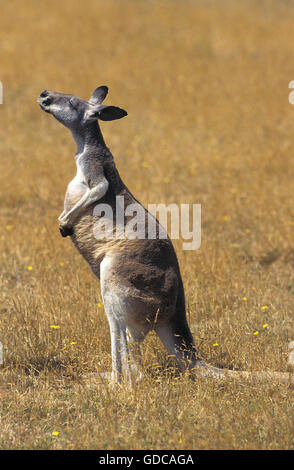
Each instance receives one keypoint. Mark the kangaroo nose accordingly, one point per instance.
(45, 99)
(44, 93)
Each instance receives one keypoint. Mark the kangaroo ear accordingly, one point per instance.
(105, 113)
(110, 113)
(99, 95)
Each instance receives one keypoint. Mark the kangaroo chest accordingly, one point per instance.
(75, 189)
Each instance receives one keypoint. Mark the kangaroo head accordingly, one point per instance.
(74, 112)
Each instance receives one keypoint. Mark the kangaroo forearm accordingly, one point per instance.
(91, 196)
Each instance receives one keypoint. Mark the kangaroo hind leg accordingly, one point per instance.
(135, 338)
(118, 335)
(178, 341)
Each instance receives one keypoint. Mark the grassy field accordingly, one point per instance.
(205, 84)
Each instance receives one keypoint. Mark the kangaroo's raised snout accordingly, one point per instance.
(44, 100)
(44, 93)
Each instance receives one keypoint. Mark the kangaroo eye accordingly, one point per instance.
(72, 103)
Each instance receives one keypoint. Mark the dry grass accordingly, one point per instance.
(206, 87)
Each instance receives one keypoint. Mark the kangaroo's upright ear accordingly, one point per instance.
(99, 95)
(105, 113)
(110, 113)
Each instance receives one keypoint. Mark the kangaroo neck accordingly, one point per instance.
(88, 137)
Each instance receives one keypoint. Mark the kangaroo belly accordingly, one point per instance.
(92, 249)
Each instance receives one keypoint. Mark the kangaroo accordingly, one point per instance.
(140, 279)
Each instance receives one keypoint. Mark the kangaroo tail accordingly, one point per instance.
(202, 369)
(178, 340)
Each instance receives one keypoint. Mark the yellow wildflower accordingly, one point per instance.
(55, 327)
(255, 333)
